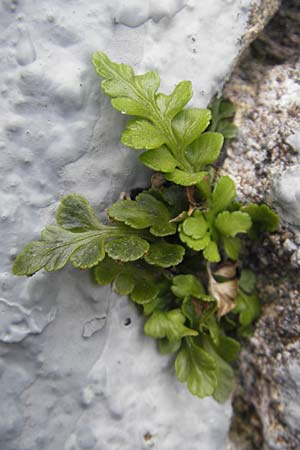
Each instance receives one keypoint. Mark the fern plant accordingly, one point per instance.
(174, 248)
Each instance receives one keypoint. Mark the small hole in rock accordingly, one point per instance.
(147, 436)
(127, 322)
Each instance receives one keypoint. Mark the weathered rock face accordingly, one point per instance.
(71, 379)
(286, 191)
(265, 163)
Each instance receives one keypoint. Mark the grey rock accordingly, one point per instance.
(265, 89)
(294, 140)
(66, 383)
(286, 194)
(295, 259)
(92, 326)
(289, 245)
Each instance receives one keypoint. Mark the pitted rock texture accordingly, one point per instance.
(69, 377)
(264, 161)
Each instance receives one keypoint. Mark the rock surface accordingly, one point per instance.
(70, 378)
(264, 160)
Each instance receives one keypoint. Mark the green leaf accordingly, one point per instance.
(195, 226)
(223, 194)
(229, 130)
(199, 311)
(211, 252)
(192, 309)
(164, 121)
(224, 372)
(160, 159)
(204, 150)
(228, 348)
(107, 270)
(187, 285)
(56, 248)
(247, 281)
(168, 325)
(195, 244)
(137, 95)
(175, 199)
(185, 178)
(85, 256)
(146, 211)
(226, 380)
(212, 325)
(131, 94)
(189, 124)
(130, 278)
(197, 368)
(124, 284)
(226, 110)
(148, 83)
(204, 187)
(170, 105)
(166, 346)
(164, 254)
(231, 223)
(232, 246)
(174, 196)
(76, 214)
(126, 249)
(248, 308)
(129, 106)
(221, 110)
(263, 219)
(81, 239)
(228, 323)
(163, 301)
(245, 332)
(141, 134)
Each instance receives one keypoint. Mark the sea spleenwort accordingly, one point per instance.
(174, 248)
